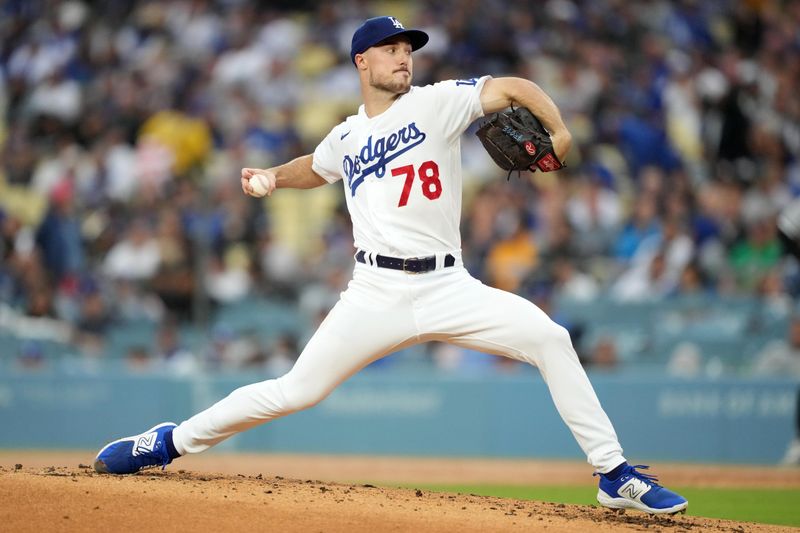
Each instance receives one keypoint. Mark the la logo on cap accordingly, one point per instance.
(397, 23)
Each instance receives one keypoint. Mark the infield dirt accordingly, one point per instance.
(46, 491)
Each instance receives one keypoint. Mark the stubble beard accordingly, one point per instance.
(393, 86)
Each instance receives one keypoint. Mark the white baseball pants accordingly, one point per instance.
(385, 310)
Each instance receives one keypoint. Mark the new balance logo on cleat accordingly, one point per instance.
(145, 444)
(633, 489)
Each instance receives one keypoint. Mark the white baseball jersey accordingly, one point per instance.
(401, 170)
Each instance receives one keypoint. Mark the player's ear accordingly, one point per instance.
(361, 62)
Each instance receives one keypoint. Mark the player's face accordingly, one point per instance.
(390, 66)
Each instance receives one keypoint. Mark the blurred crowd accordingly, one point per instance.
(125, 124)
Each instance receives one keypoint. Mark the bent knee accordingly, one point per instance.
(551, 341)
(299, 395)
(555, 334)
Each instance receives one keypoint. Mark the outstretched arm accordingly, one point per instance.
(499, 93)
(296, 174)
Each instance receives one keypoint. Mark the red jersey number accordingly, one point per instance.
(429, 176)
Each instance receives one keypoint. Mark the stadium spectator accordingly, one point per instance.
(136, 257)
(171, 355)
(138, 360)
(604, 355)
(59, 235)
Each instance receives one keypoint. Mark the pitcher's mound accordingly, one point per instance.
(51, 498)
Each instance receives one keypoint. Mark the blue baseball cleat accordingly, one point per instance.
(131, 454)
(637, 490)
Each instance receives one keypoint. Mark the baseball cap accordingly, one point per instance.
(377, 29)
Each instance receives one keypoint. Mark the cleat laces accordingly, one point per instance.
(632, 471)
(648, 478)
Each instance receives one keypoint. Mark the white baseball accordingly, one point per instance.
(260, 185)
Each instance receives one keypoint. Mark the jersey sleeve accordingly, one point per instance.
(458, 104)
(325, 160)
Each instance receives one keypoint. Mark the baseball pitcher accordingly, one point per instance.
(398, 161)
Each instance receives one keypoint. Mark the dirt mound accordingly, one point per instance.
(58, 498)
(395, 470)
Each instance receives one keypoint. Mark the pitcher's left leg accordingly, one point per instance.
(490, 320)
(502, 323)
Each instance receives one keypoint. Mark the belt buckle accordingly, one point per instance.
(410, 271)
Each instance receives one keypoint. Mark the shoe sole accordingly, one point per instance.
(100, 466)
(624, 503)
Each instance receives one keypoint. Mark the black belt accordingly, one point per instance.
(412, 265)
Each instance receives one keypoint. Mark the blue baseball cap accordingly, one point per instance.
(377, 29)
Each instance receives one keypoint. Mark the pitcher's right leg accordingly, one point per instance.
(348, 339)
(373, 319)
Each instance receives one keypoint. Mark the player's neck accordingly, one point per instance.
(377, 101)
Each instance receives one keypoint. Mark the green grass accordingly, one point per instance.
(768, 506)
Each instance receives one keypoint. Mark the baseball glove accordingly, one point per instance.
(516, 140)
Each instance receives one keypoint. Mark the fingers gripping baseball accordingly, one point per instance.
(258, 182)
